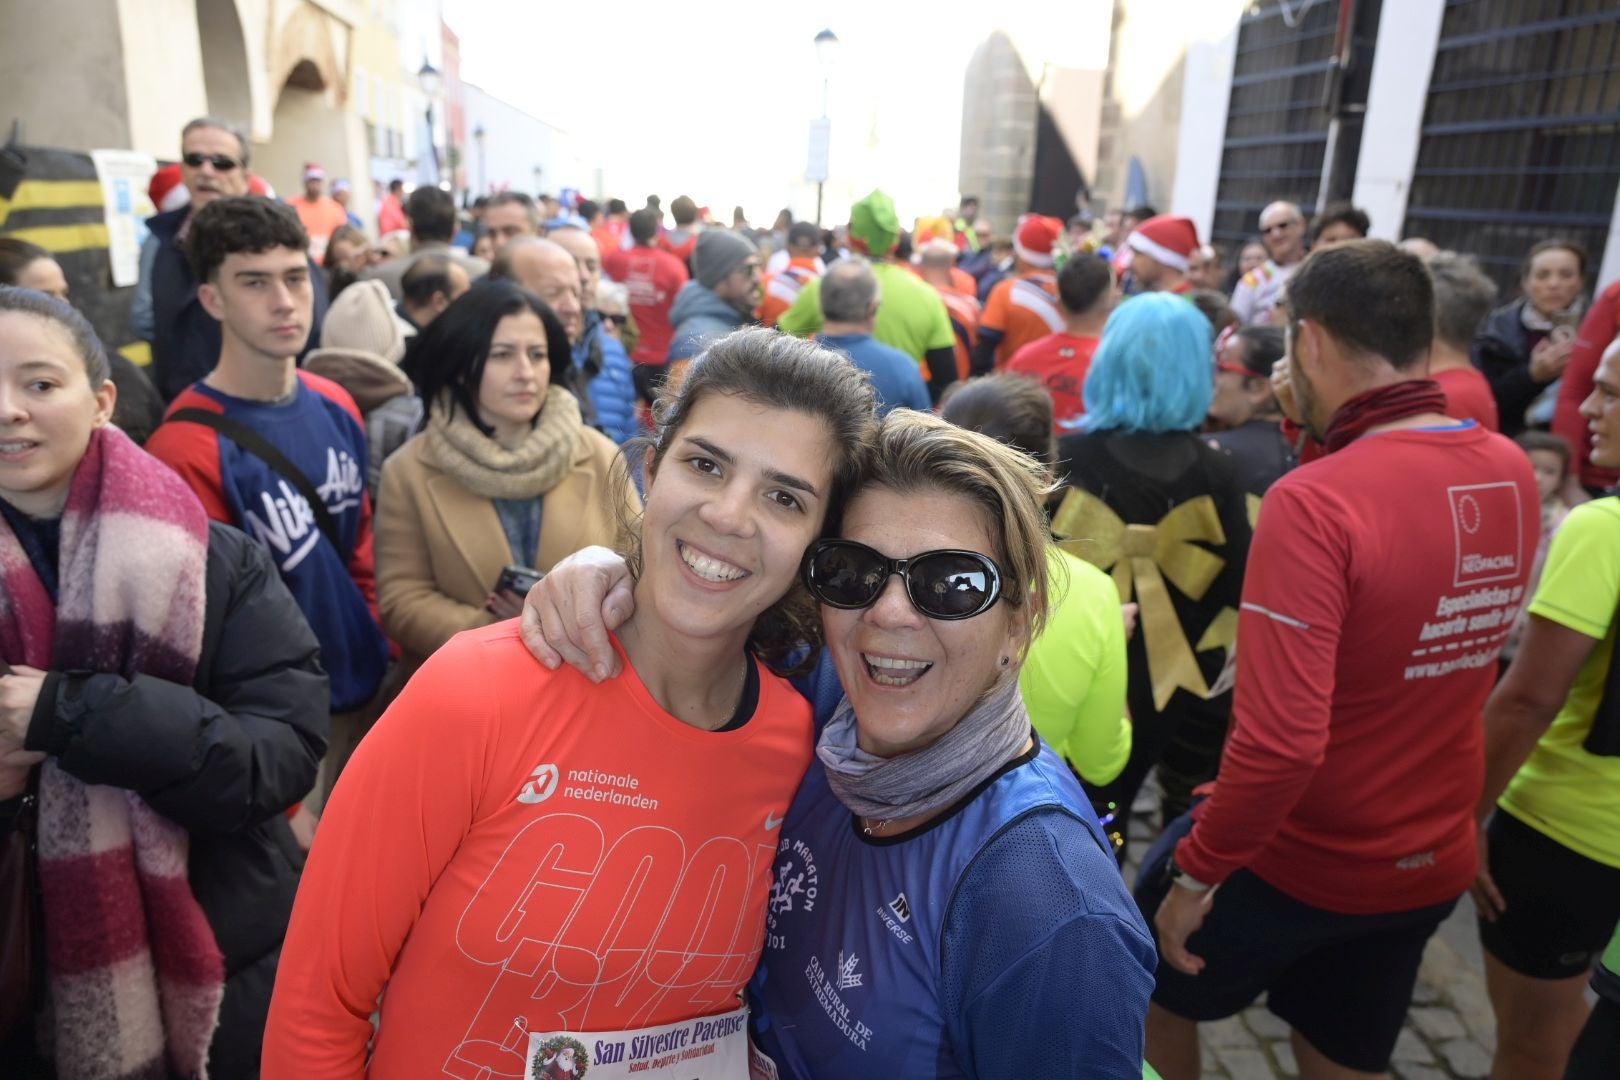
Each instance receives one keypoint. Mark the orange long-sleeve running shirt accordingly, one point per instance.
(512, 852)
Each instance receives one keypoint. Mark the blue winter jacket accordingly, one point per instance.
(612, 390)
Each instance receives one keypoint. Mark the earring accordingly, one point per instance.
(1005, 660)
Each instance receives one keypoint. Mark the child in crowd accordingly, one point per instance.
(1550, 457)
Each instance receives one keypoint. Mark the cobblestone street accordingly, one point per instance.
(1449, 1032)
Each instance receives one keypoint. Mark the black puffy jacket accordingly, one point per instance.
(1502, 352)
(224, 758)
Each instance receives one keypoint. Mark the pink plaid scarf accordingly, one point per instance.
(135, 973)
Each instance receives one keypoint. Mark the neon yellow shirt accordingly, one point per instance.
(1074, 677)
(911, 316)
(1563, 791)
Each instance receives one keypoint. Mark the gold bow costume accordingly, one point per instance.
(1140, 558)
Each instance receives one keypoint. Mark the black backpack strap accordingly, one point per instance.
(260, 447)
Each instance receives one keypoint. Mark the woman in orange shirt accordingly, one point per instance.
(522, 881)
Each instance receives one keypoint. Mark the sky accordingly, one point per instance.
(715, 99)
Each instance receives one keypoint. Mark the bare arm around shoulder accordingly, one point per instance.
(570, 612)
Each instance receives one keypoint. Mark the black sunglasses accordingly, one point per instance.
(616, 320)
(947, 584)
(220, 162)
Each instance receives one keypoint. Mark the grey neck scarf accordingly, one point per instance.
(929, 779)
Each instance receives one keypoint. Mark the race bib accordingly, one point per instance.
(709, 1048)
(760, 1067)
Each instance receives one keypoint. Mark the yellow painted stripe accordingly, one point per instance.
(52, 195)
(56, 194)
(65, 238)
(138, 353)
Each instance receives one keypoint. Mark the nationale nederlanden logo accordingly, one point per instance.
(542, 782)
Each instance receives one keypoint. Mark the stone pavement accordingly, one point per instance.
(1449, 1031)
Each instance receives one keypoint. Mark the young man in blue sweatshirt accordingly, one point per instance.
(249, 257)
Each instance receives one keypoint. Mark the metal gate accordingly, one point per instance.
(1276, 126)
(1521, 130)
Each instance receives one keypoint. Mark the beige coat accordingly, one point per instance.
(440, 548)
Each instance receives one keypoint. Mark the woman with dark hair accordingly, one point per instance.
(139, 410)
(29, 266)
(160, 708)
(1165, 514)
(504, 474)
(1525, 344)
(1244, 415)
(536, 865)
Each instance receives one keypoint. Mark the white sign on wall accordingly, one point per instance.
(124, 176)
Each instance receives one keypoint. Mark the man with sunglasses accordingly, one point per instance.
(1282, 230)
(185, 338)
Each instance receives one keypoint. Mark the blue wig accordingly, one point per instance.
(1153, 370)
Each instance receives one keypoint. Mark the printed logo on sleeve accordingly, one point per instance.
(1485, 521)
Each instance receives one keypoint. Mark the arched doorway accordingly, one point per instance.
(225, 62)
(306, 126)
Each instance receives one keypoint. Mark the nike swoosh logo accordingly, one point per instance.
(771, 822)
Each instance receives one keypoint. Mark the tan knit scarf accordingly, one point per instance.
(491, 471)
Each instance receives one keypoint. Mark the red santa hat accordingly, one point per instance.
(313, 171)
(1036, 238)
(166, 190)
(258, 185)
(1166, 239)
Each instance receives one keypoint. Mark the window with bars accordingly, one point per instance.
(1276, 127)
(1521, 130)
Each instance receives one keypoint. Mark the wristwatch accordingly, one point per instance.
(1178, 876)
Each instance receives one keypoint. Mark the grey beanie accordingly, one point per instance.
(718, 253)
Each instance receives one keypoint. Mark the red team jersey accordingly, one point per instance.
(1060, 361)
(1383, 579)
(1468, 396)
(514, 852)
(652, 277)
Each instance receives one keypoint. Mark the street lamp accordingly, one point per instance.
(483, 170)
(427, 77)
(821, 133)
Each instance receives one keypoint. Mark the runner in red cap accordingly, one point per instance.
(1163, 248)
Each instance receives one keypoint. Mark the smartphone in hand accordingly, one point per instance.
(517, 580)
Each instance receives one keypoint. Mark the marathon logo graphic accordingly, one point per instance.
(1485, 520)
